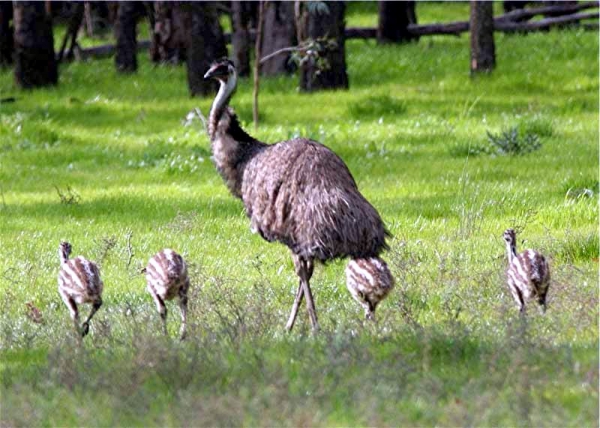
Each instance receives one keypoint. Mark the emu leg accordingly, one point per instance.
(542, 297)
(370, 311)
(310, 305)
(297, 301)
(304, 269)
(162, 310)
(518, 296)
(86, 324)
(72, 306)
(183, 301)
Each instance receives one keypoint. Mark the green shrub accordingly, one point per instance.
(512, 142)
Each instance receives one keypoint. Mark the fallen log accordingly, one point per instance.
(105, 51)
(360, 33)
(451, 28)
(524, 14)
(543, 24)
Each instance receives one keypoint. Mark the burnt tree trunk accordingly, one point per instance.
(394, 19)
(279, 32)
(330, 25)
(206, 44)
(483, 51)
(6, 34)
(125, 33)
(154, 40)
(171, 29)
(97, 17)
(240, 36)
(257, 56)
(35, 64)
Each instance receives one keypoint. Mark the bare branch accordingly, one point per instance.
(283, 50)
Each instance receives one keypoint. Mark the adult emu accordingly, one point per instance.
(297, 192)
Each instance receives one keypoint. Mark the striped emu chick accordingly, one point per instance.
(79, 282)
(167, 277)
(528, 273)
(369, 281)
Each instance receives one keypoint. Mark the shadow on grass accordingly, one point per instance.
(232, 376)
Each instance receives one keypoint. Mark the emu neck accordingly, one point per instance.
(511, 249)
(226, 90)
(63, 256)
(231, 146)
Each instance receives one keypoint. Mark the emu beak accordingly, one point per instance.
(208, 74)
(213, 73)
(217, 71)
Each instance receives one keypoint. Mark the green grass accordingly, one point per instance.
(449, 347)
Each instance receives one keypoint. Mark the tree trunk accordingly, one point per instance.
(279, 32)
(331, 25)
(206, 45)
(257, 56)
(89, 21)
(125, 33)
(154, 38)
(35, 64)
(171, 30)
(394, 19)
(6, 33)
(100, 16)
(483, 52)
(240, 36)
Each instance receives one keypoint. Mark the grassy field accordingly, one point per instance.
(449, 347)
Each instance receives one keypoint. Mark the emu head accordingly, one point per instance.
(221, 70)
(510, 237)
(64, 250)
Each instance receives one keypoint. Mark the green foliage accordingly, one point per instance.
(449, 347)
(317, 7)
(68, 196)
(313, 52)
(510, 142)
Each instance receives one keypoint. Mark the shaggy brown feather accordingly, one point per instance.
(300, 193)
(297, 192)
